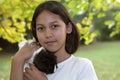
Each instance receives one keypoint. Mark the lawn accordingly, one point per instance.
(104, 55)
(5, 61)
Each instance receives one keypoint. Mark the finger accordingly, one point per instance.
(26, 44)
(32, 67)
(34, 45)
(38, 44)
(27, 70)
(26, 76)
(36, 48)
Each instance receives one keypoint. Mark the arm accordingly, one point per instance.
(16, 69)
(19, 59)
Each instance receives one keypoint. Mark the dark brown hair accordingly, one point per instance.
(72, 40)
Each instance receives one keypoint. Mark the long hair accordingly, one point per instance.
(72, 39)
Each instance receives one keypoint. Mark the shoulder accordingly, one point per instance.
(84, 65)
(82, 61)
(85, 68)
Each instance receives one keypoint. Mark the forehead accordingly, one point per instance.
(47, 16)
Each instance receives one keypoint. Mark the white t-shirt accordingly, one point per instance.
(74, 68)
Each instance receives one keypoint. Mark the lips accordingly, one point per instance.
(50, 42)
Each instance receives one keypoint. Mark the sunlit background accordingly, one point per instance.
(98, 22)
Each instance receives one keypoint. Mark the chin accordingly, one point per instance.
(53, 50)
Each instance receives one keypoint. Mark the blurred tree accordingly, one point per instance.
(15, 17)
(101, 16)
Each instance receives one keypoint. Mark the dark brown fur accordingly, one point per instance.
(45, 61)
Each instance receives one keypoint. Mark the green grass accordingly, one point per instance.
(5, 66)
(104, 55)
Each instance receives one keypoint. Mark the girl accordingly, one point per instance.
(54, 30)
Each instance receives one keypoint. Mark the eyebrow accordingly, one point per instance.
(50, 23)
(53, 22)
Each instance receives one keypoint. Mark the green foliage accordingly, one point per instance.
(93, 10)
(85, 34)
(0, 49)
(15, 17)
(116, 30)
(106, 17)
(110, 23)
(101, 14)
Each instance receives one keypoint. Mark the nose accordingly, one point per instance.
(48, 33)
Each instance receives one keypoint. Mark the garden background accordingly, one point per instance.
(98, 22)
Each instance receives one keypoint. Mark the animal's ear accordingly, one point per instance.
(69, 28)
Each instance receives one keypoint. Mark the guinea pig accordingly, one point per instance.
(45, 61)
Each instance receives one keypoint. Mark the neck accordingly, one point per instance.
(61, 56)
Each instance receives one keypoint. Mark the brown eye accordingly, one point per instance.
(54, 26)
(41, 29)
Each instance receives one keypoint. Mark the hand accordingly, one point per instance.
(32, 73)
(26, 51)
(19, 59)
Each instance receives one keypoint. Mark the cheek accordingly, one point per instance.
(61, 34)
(40, 38)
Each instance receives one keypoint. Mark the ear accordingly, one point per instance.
(69, 28)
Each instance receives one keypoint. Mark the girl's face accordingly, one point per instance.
(51, 31)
